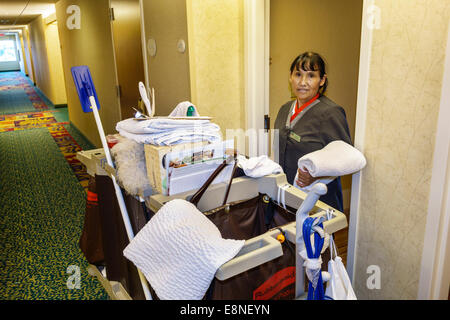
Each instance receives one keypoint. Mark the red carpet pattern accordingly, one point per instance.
(69, 148)
(27, 120)
(66, 143)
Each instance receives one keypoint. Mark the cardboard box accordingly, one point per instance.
(154, 156)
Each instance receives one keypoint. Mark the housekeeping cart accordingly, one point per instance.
(260, 249)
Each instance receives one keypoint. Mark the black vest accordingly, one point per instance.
(318, 125)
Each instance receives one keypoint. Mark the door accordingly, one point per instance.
(9, 57)
(330, 28)
(126, 30)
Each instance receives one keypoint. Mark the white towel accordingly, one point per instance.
(179, 251)
(158, 125)
(182, 108)
(169, 131)
(337, 158)
(172, 138)
(257, 167)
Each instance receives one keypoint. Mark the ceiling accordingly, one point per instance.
(10, 11)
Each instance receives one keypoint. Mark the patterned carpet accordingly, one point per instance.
(42, 201)
(18, 94)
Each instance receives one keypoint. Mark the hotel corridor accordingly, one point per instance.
(42, 198)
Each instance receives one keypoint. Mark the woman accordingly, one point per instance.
(309, 123)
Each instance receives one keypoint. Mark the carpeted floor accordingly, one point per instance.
(42, 200)
(18, 94)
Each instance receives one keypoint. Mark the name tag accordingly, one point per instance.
(295, 136)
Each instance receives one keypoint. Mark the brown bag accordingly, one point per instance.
(243, 220)
(91, 238)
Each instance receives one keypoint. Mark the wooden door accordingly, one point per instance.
(126, 30)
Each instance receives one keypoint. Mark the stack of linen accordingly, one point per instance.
(166, 131)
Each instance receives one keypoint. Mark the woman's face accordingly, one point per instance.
(305, 84)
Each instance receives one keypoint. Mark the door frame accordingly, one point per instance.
(144, 48)
(434, 274)
(360, 122)
(256, 64)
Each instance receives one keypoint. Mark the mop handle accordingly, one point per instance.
(122, 206)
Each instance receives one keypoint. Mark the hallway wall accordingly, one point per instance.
(48, 77)
(47, 60)
(53, 46)
(90, 45)
(405, 83)
(168, 69)
(27, 54)
(210, 73)
(216, 60)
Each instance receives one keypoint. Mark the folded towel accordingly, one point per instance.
(257, 167)
(179, 251)
(182, 108)
(158, 125)
(172, 138)
(163, 131)
(337, 158)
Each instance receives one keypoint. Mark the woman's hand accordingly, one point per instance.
(304, 179)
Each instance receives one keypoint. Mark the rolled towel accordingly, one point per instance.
(257, 167)
(337, 158)
(182, 108)
(179, 251)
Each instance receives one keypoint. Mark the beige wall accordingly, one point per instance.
(56, 75)
(40, 58)
(332, 29)
(165, 21)
(27, 54)
(405, 83)
(22, 48)
(92, 46)
(210, 73)
(46, 54)
(216, 47)
(48, 74)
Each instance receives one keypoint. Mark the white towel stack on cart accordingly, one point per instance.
(169, 131)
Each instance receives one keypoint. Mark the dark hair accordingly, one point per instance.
(311, 61)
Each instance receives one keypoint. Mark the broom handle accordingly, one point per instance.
(122, 206)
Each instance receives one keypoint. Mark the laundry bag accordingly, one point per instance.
(91, 237)
(339, 287)
(242, 220)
